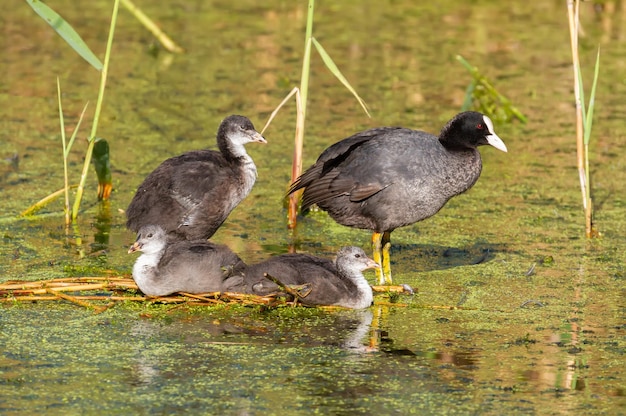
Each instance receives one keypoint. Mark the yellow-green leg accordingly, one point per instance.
(381, 244)
(377, 256)
(386, 264)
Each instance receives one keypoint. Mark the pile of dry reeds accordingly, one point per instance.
(90, 292)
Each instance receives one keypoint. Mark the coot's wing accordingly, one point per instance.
(334, 155)
(151, 203)
(173, 195)
(349, 167)
(208, 191)
(204, 172)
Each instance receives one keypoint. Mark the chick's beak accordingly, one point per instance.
(256, 136)
(371, 264)
(135, 247)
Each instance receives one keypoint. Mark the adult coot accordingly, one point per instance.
(182, 266)
(340, 282)
(191, 195)
(388, 177)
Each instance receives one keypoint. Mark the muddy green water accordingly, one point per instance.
(547, 342)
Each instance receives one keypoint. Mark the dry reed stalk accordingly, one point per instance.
(296, 166)
(251, 299)
(203, 298)
(34, 298)
(52, 290)
(573, 19)
(80, 302)
(57, 289)
(385, 303)
(392, 289)
(300, 293)
(68, 285)
(92, 278)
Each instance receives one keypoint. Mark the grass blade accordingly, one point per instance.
(330, 64)
(73, 137)
(165, 40)
(592, 98)
(277, 109)
(44, 201)
(581, 92)
(587, 135)
(66, 31)
(65, 153)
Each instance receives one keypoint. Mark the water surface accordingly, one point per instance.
(551, 341)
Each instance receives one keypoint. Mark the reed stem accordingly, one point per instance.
(301, 104)
(96, 118)
(64, 142)
(573, 13)
(584, 117)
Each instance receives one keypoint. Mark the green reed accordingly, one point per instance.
(301, 95)
(584, 116)
(66, 150)
(65, 30)
(96, 118)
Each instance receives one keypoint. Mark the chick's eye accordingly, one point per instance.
(358, 256)
(149, 235)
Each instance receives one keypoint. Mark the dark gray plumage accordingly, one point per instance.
(389, 177)
(340, 282)
(182, 266)
(191, 195)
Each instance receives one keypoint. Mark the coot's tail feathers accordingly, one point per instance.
(303, 182)
(317, 176)
(316, 188)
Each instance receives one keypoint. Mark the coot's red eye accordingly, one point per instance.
(480, 126)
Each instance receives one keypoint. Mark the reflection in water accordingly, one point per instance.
(101, 236)
(144, 370)
(354, 340)
(344, 329)
(102, 227)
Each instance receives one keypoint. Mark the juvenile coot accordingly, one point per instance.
(389, 177)
(191, 195)
(340, 282)
(182, 266)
